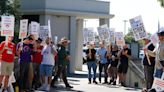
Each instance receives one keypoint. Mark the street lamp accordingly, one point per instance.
(125, 26)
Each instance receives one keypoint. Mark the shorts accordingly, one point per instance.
(46, 70)
(6, 68)
(123, 69)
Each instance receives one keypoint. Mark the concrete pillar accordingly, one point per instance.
(79, 46)
(103, 21)
(73, 39)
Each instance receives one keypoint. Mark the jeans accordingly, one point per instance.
(92, 64)
(101, 67)
(158, 73)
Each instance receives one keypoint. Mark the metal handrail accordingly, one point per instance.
(137, 68)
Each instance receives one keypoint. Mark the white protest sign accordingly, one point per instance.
(23, 28)
(120, 39)
(44, 32)
(49, 27)
(104, 34)
(34, 28)
(7, 25)
(138, 28)
(154, 39)
(55, 39)
(158, 84)
(112, 35)
(89, 34)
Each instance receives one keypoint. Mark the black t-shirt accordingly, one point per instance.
(123, 58)
(151, 47)
(93, 53)
(115, 62)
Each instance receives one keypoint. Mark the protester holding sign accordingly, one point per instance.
(37, 58)
(24, 52)
(125, 55)
(103, 63)
(159, 54)
(113, 65)
(91, 62)
(149, 63)
(7, 53)
(47, 64)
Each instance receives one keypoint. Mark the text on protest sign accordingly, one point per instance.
(104, 34)
(7, 25)
(120, 38)
(23, 28)
(89, 34)
(44, 32)
(138, 28)
(112, 35)
(34, 28)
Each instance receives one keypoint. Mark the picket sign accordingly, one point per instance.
(159, 84)
(23, 28)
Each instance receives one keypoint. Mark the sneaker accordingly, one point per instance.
(95, 82)
(123, 84)
(105, 83)
(48, 88)
(110, 82)
(114, 83)
(69, 86)
(4, 90)
(42, 87)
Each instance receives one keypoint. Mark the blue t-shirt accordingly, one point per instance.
(102, 53)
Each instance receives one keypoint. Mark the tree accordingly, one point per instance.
(11, 7)
(129, 37)
(161, 2)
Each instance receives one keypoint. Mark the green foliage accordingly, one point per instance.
(161, 2)
(12, 7)
(129, 37)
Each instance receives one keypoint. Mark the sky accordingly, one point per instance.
(150, 11)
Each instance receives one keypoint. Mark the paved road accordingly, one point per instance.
(80, 83)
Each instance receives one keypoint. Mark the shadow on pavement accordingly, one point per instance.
(63, 89)
(132, 89)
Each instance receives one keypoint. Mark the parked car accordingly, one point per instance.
(141, 54)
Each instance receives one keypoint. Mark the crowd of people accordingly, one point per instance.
(112, 59)
(37, 61)
(153, 60)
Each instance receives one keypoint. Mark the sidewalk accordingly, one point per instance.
(80, 83)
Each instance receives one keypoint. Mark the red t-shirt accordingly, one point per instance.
(8, 54)
(37, 56)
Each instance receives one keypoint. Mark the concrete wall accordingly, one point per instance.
(66, 5)
(59, 25)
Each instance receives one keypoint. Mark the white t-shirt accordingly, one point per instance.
(48, 56)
